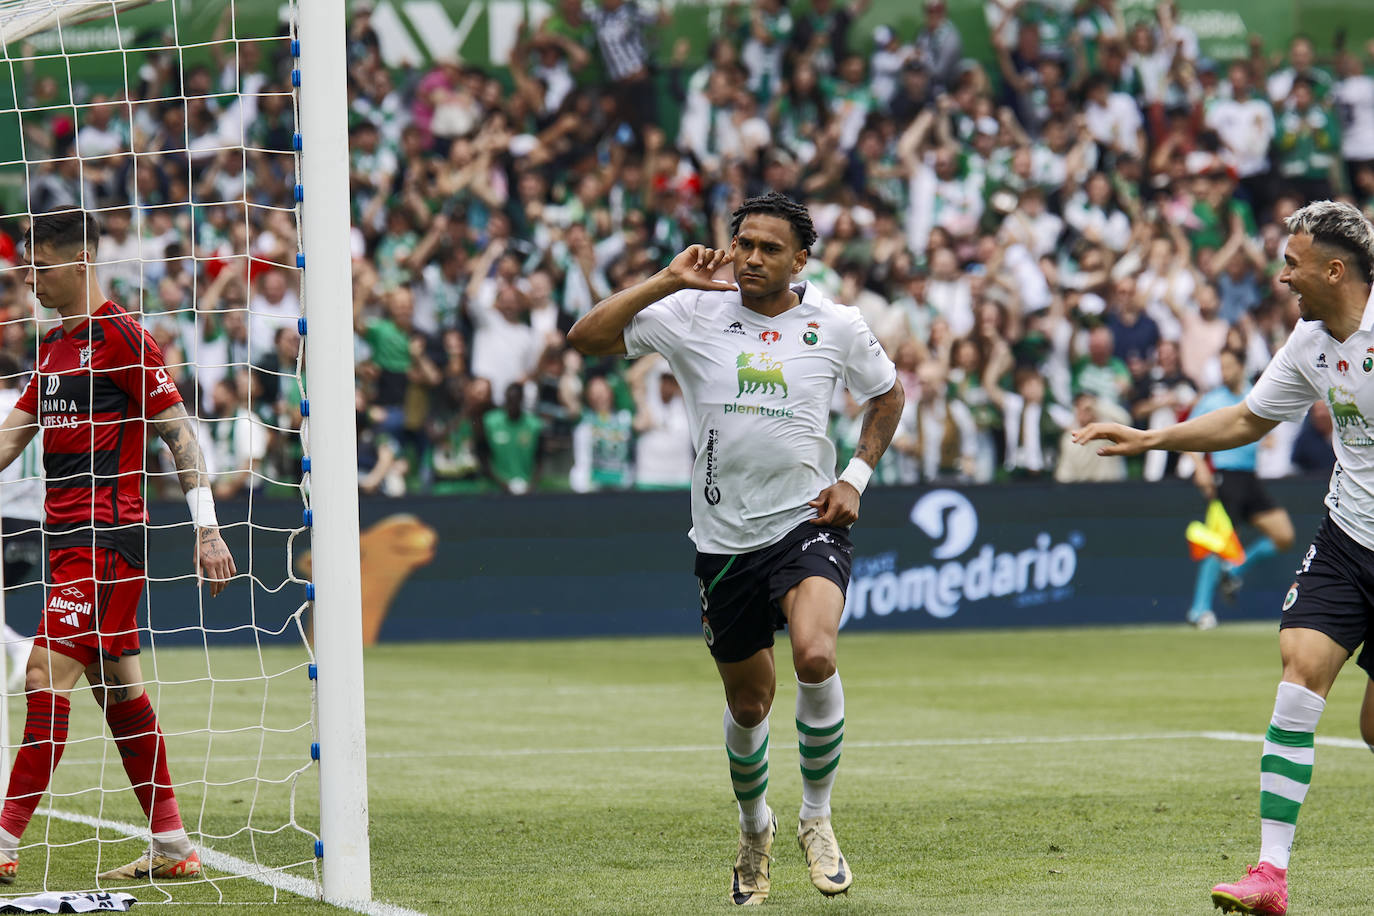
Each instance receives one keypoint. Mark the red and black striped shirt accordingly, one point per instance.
(93, 391)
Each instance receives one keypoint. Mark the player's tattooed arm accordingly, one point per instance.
(880, 424)
(174, 427)
(838, 504)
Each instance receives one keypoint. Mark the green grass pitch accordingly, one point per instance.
(1060, 771)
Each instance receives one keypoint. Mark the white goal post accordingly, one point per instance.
(328, 472)
(333, 447)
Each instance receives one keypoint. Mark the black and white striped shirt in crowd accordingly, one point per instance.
(620, 34)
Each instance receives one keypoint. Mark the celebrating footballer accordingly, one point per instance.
(1328, 612)
(758, 361)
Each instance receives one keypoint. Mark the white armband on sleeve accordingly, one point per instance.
(201, 502)
(856, 474)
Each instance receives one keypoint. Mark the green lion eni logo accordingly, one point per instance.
(759, 373)
(1354, 428)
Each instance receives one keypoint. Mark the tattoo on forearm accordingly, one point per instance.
(174, 427)
(880, 424)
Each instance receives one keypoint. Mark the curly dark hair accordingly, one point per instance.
(780, 205)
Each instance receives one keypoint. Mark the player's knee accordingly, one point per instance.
(813, 664)
(1283, 542)
(750, 708)
(37, 677)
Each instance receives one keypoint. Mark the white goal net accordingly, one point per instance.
(176, 124)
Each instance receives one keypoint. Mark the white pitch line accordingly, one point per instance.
(1352, 743)
(236, 867)
(1006, 740)
(714, 748)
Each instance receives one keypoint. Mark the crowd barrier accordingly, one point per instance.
(537, 566)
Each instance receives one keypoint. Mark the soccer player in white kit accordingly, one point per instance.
(758, 361)
(1329, 610)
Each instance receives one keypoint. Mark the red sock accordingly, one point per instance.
(45, 736)
(144, 753)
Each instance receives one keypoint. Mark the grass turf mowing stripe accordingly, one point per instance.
(235, 867)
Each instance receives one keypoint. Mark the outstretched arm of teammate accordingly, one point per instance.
(1221, 429)
(15, 433)
(838, 504)
(213, 560)
(601, 332)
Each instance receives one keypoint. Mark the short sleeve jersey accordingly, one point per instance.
(758, 393)
(92, 393)
(1314, 366)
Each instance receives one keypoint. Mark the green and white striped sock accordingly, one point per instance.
(747, 749)
(1286, 768)
(820, 733)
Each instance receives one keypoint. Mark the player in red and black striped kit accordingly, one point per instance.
(99, 382)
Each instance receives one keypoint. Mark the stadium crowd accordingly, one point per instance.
(1072, 230)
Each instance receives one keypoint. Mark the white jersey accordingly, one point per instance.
(758, 394)
(21, 484)
(1312, 366)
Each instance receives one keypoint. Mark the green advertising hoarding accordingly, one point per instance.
(415, 32)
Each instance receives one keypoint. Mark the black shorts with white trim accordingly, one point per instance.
(1334, 592)
(741, 593)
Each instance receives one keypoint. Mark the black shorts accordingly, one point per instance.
(740, 592)
(1242, 495)
(1334, 592)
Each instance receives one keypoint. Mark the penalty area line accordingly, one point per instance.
(239, 868)
(992, 741)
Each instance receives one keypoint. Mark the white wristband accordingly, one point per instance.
(856, 474)
(201, 502)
